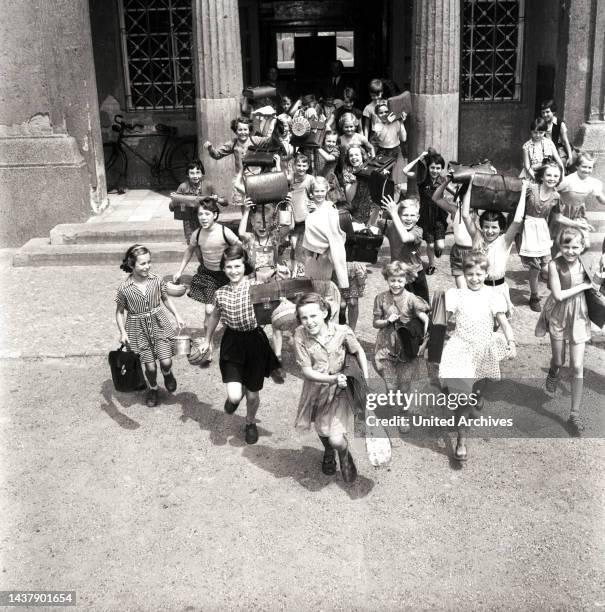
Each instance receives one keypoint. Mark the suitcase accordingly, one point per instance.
(266, 297)
(266, 187)
(126, 372)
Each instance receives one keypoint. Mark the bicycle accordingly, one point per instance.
(176, 154)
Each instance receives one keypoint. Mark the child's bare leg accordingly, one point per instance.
(293, 262)
(439, 246)
(347, 466)
(278, 341)
(151, 373)
(353, 312)
(169, 379)
(430, 253)
(577, 382)
(534, 288)
(462, 429)
(235, 392)
(252, 404)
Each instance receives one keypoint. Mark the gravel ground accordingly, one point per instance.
(168, 509)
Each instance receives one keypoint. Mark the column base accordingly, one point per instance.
(591, 138)
(44, 180)
(214, 119)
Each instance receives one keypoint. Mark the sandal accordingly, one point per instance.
(552, 381)
(430, 270)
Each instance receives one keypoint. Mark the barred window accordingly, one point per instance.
(157, 50)
(492, 44)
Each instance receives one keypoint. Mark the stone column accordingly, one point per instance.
(435, 77)
(219, 85)
(51, 152)
(583, 86)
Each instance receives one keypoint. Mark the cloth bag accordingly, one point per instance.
(126, 372)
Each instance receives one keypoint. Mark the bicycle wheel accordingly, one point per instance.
(182, 154)
(115, 168)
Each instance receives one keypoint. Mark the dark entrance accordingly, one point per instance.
(301, 37)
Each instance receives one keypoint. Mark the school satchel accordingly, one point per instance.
(307, 133)
(381, 185)
(382, 163)
(126, 372)
(401, 103)
(262, 91)
(462, 173)
(595, 302)
(266, 297)
(495, 192)
(259, 158)
(364, 246)
(266, 187)
(181, 205)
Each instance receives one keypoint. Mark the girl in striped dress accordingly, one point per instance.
(147, 329)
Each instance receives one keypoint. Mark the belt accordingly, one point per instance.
(142, 315)
(494, 283)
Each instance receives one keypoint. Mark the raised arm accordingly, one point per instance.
(441, 201)
(566, 145)
(408, 169)
(465, 213)
(514, 227)
(389, 204)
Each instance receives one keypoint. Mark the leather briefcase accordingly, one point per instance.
(126, 372)
(363, 246)
(262, 91)
(462, 173)
(381, 185)
(266, 297)
(495, 192)
(266, 187)
(595, 302)
(262, 159)
(380, 163)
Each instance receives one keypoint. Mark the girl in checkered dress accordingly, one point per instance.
(147, 330)
(246, 357)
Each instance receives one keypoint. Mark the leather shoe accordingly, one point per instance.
(347, 467)
(328, 465)
(251, 433)
(151, 398)
(170, 382)
(230, 407)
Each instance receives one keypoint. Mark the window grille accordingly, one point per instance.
(492, 44)
(157, 51)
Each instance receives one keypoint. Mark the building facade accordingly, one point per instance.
(477, 71)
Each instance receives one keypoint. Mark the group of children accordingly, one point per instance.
(328, 201)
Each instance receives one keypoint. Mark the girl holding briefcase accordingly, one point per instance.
(147, 329)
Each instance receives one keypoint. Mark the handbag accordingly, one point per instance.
(364, 246)
(380, 163)
(261, 91)
(266, 187)
(126, 372)
(495, 192)
(266, 297)
(595, 303)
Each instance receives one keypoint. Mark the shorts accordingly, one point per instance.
(456, 256)
(537, 263)
(246, 357)
(434, 233)
(358, 274)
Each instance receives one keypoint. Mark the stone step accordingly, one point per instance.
(596, 218)
(159, 230)
(40, 252)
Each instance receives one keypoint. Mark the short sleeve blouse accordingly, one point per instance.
(497, 301)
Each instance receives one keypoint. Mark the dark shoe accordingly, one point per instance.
(552, 381)
(170, 382)
(151, 398)
(230, 407)
(328, 464)
(430, 270)
(251, 433)
(347, 467)
(534, 304)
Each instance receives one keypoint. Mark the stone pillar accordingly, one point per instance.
(435, 77)
(583, 49)
(51, 152)
(219, 81)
